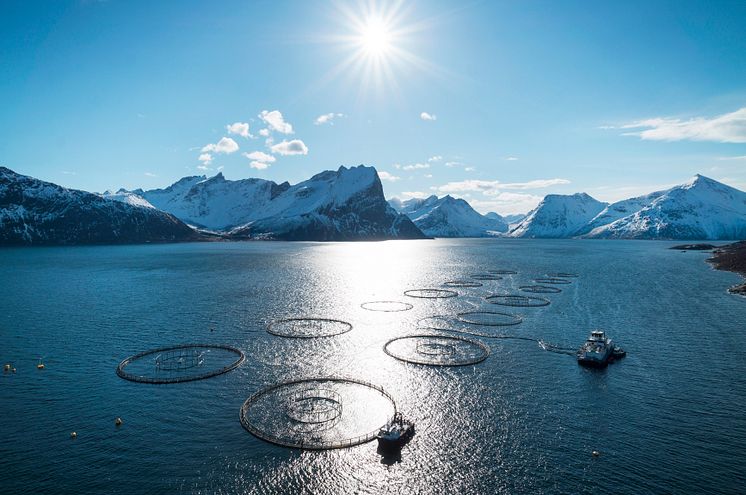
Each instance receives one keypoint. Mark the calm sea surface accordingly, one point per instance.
(670, 418)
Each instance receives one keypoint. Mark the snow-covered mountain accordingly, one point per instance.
(347, 204)
(449, 217)
(128, 197)
(701, 208)
(37, 212)
(559, 216)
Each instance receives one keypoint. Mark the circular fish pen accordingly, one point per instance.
(540, 289)
(485, 276)
(430, 293)
(180, 363)
(318, 413)
(386, 306)
(308, 328)
(462, 284)
(518, 300)
(489, 318)
(552, 281)
(503, 272)
(437, 350)
(562, 275)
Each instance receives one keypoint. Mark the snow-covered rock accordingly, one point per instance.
(701, 208)
(37, 212)
(346, 204)
(449, 217)
(559, 216)
(128, 197)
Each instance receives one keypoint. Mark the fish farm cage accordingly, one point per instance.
(308, 328)
(503, 272)
(489, 318)
(518, 300)
(180, 363)
(492, 326)
(540, 289)
(437, 350)
(485, 276)
(552, 280)
(465, 284)
(386, 306)
(562, 275)
(430, 293)
(318, 413)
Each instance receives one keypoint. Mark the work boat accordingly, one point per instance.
(394, 435)
(598, 350)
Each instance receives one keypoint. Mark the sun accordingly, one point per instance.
(375, 37)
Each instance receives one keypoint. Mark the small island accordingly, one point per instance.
(732, 257)
(694, 247)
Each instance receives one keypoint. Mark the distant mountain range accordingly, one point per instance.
(343, 205)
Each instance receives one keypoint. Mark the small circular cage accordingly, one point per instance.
(540, 289)
(181, 363)
(485, 276)
(318, 413)
(308, 328)
(503, 272)
(552, 281)
(462, 284)
(562, 275)
(386, 306)
(489, 318)
(437, 350)
(430, 293)
(517, 300)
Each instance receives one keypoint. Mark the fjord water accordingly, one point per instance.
(667, 419)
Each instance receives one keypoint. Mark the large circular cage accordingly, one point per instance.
(485, 276)
(540, 289)
(552, 281)
(562, 275)
(180, 363)
(430, 293)
(517, 300)
(386, 306)
(308, 328)
(462, 284)
(486, 324)
(437, 350)
(318, 413)
(503, 272)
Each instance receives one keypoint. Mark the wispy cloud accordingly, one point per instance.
(435, 158)
(259, 159)
(239, 128)
(414, 194)
(276, 122)
(327, 118)
(494, 187)
(225, 145)
(511, 158)
(293, 147)
(428, 116)
(205, 158)
(507, 203)
(383, 175)
(726, 128)
(150, 174)
(416, 166)
(742, 157)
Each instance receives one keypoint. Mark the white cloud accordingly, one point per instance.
(726, 128)
(414, 194)
(488, 187)
(264, 132)
(294, 147)
(416, 166)
(742, 157)
(259, 165)
(435, 158)
(383, 175)
(203, 167)
(205, 158)
(428, 116)
(150, 174)
(327, 118)
(240, 128)
(469, 169)
(225, 145)
(397, 166)
(276, 122)
(453, 164)
(507, 203)
(511, 158)
(260, 156)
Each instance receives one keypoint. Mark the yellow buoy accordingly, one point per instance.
(118, 421)
(73, 435)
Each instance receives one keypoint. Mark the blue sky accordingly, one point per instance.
(523, 98)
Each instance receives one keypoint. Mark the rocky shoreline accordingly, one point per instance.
(732, 257)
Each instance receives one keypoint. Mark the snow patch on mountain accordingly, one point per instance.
(449, 217)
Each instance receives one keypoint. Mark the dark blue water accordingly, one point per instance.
(667, 419)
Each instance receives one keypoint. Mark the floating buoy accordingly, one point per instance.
(596, 453)
(7, 367)
(73, 435)
(40, 366)
(118, 421)
(13, 370)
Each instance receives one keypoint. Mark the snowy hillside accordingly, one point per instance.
(124, 196)
(701, 208)
(346, 204)
(449, 217)
(37, 212)
(559, 216)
